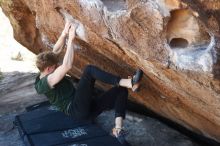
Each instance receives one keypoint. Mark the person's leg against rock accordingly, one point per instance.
(115, 98)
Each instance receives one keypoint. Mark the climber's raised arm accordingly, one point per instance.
(61, 40)
(61, 71)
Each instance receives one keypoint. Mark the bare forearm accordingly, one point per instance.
(61, 71)
(69, 55)
(59, 44)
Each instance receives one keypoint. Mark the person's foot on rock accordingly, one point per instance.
(135, 80)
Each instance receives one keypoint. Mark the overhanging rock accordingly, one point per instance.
(175, 43)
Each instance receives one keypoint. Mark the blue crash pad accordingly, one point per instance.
(44, 125)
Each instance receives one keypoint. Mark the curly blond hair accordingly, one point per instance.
(46, 59)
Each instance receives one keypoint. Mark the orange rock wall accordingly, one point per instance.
(175, 43)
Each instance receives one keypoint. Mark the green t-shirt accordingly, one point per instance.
(60, 95)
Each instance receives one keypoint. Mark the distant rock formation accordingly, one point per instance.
(175, 42)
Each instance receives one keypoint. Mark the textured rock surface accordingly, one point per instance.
(175, 42)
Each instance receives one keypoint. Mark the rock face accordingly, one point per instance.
(176, 44)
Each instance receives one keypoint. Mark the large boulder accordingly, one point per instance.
(174, 42)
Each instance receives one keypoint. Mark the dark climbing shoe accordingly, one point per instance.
(135, 81)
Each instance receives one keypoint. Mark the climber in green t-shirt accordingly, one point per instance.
(79, 103)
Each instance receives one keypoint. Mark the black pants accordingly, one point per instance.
(84, 106)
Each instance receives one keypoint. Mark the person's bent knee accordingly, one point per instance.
(88, 68)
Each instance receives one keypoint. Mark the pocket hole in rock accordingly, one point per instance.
(178, 43)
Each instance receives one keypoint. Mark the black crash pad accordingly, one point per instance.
(44, 125)
(66, 136)
(37, 105)
(98, 141)
(45, 119)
